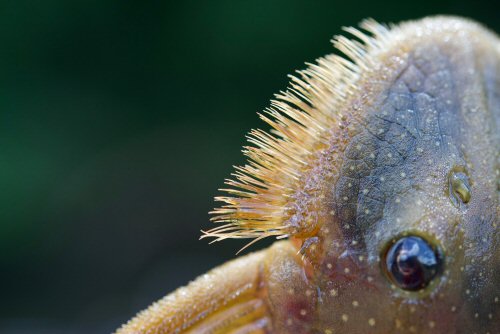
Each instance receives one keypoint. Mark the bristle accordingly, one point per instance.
(301, 119)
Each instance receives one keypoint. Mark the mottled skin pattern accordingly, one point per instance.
(428, 110)
(434, 114)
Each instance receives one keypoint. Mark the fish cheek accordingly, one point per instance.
(291, 297)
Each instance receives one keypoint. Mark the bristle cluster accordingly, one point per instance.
(302, 119)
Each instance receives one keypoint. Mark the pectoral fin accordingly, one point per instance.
(228, 299)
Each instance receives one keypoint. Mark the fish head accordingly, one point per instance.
(383, 171)
(412, 242)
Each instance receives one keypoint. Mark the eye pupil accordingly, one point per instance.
(412, 263)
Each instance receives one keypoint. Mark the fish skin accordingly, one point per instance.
(425, 107)
(434, 113)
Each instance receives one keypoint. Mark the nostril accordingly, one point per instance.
(459, 186)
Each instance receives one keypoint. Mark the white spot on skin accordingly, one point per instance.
(453, 308)
(333, 293)
(328, 331)
(289, 322)
(432, 324)
(329, 265)
(371, 322)
(303, 312)
(355, 303)
(345, 317)
(347, 270)
(309, 293)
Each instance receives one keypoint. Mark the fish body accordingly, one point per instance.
(383, 173)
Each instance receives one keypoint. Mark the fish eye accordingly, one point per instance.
(411, 263)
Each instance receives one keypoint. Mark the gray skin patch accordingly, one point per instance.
(402, 145)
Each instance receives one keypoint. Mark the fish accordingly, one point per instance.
(380, 180)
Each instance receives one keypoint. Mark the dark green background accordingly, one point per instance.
(119, 120)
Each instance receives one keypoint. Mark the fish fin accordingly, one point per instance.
(228, 299)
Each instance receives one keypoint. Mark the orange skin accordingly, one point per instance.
(412, 148)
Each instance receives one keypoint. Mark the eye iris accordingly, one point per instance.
(412, 263)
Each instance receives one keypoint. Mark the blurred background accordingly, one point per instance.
(118, 122)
